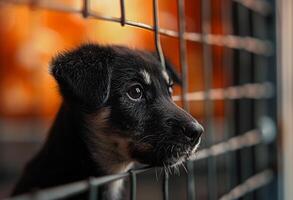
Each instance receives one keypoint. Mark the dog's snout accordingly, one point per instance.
(193, 130)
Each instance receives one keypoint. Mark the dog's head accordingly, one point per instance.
(126, 98)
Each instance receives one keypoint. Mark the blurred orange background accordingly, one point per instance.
(31, 36)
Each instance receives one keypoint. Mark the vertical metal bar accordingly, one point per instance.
(226, 13)
(166, 186)
(132, 185)
(93, 190)
(160, 54)
(184, 75)
(245, 117)
(85, 8)
(285, 83)
(157, 35)
(208, 104)
(190, 181)
(122, 12)
(183, 53)
(259, 105)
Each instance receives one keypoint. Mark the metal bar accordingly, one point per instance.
(245, 115)
(183, 53)
(190, 181)
(208, 103)
(260, 69)
(248, 139)
(254, 182)
(75, 188)
(263, 90)
(63, 191)
(249, 44)
(259, 6)
(184, 89)
(226, 13)
(122, 11)
(85, 8)
(285, 98)
(156, 33)
(93, 190)
(166, 186)
(132, 185)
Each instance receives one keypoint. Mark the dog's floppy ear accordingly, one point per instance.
(84, 75)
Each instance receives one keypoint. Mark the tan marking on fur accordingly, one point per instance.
(109, 149)
(165, 75)
(146, 76)
(143, 147)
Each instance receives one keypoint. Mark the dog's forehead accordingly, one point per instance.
(145, 64)
(151, 72)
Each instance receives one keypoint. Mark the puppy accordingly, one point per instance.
(117, 109)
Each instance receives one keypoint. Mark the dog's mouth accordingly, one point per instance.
(166, 154)
(181, 154)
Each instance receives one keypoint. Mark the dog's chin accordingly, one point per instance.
(159, 158)
(182, 156)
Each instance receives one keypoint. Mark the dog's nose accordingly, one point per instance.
(193, 130)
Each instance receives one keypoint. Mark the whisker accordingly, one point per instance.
(182, 164)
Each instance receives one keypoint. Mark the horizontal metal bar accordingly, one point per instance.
(253, 45)
(250, 138)
(250, 90)
(56, 192)
(76, 187)
(256, 181)
(247, 139)
(259, 6)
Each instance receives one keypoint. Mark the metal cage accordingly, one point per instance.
(243, 163)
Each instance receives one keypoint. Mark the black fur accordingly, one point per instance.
(100, 129)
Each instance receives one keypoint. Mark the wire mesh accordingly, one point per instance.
(245, 94)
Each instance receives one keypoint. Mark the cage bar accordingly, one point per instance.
(256, 181)
(132, 185)
(208, 103)
(122, 11)
(93, 190)
(254, 45)
(244, 91)
(156, 33)
(165, 186)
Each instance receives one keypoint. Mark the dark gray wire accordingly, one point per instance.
(208, 104)
(249, 44)
(132, 185)
(122, 12)
(157, 35)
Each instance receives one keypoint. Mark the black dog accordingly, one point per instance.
(117, 109)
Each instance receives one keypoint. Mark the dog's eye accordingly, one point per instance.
(135, 92)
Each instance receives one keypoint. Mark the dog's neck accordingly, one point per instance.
(97, 152)
(65, 143)
(68, 156)
(108, 149)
